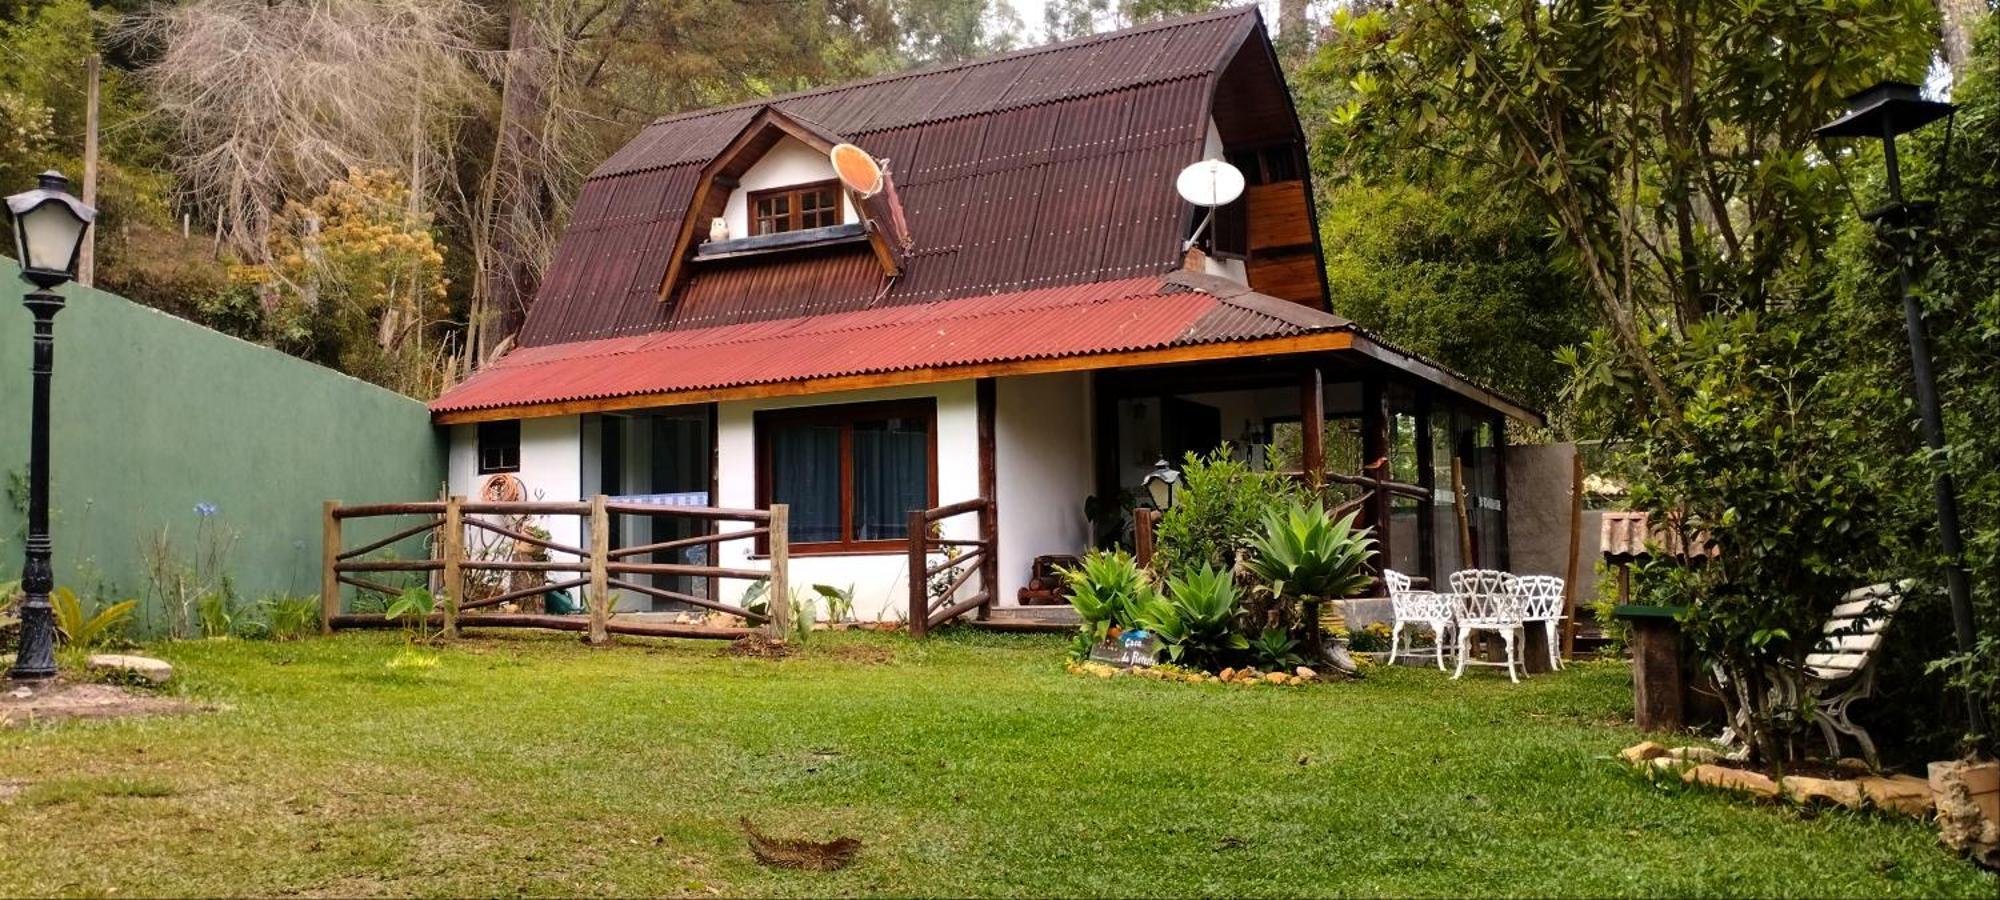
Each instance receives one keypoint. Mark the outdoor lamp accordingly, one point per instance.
(1159, 485)
(1884, 112)
(49, 228)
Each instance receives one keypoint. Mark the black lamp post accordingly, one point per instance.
(49, 226)
(1159, 485)
(1883, 112)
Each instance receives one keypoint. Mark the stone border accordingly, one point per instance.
(1903, 794)
(1244, 677)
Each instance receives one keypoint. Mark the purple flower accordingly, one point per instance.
(206, 509)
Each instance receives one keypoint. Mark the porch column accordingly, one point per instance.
(1375, 464)
(989, 516)
(1312, 427)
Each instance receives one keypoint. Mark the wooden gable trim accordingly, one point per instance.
(716, 181)
(1433, 374)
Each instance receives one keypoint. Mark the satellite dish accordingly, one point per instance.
(1210, 183)
(859, 171)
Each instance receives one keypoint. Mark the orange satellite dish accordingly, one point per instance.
(859, 171)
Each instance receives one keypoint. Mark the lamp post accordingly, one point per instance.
(49, 228)
(1883, 112)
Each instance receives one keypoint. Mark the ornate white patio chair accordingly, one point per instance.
(1484, 600)
(1542, 601)
(1410, 607)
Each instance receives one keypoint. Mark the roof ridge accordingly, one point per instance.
(1247, 10)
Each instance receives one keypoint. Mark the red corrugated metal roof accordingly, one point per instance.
(1140, 313)
(1046, 167)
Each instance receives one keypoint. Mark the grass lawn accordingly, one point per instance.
(968, 765)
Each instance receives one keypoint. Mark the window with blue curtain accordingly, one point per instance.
(851, 474)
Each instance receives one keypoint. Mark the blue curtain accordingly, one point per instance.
(891, 476)
(805, 473)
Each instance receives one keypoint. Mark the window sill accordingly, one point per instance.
(759, 245)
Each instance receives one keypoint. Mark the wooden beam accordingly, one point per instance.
(919, 581)
(453, 544)
(1375, 463)
(987, 392)
(1311, 343)
(1368, 346)
(1312, 427)
(780, 622)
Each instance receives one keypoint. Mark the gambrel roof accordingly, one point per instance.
(1044, 167)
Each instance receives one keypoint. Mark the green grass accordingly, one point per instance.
(967, 765)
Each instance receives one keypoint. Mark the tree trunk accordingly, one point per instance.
(1295, 32)
(1959, 20)
(512, 204)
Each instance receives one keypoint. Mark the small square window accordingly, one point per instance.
(795, 208)
(499, 447)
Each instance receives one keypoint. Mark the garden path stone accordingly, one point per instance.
(156, 671)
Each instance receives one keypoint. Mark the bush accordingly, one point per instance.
(1107, 591)
(1216, 513)
(1196, 618)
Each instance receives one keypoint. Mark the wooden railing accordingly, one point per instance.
(963, 559)
(599, 568)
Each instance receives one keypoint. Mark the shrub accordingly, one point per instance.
(1305, 557)
(1216, 513)
(82, 630)
(1107, 590)
(1195, 619)
(1274, 649)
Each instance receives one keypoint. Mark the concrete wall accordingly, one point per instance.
(1042, 444)
(1539, 481)
(153, 415)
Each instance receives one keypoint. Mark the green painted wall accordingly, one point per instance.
(154, 415)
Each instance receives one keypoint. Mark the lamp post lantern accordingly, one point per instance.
(49, 228)
(1884, 112)
(1159, 485)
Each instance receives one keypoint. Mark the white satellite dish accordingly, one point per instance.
(1210, 183)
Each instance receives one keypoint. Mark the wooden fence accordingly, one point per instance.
(962, 560)
(598, 568)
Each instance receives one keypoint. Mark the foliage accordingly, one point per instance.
(196, 593)
(1457, 273)
(1195, 619)
(1372, 638)
(1773, 467)
(839, 602)
(1302, 552)
(1107, 590)
(289, 618)
(413, 607)
(82, 629)
(1275, 649)
(1217, 510)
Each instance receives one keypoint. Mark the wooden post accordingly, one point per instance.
(986, 391)
(1465, 560)
(1142, 535)
(600, 578)
(1312, 428)
(453, 544)
(86, 263)
(1575, 551)
(329, 555)
(920, 607)
(780, 623)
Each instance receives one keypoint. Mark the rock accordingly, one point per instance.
(1852, 766)
(1227, 674)
(1695, 754)
(1906, 794)
(1642, 751)
(1968, 808)
(1823, 790)
(1667, 764)
(1306, 673)
(1756, 784)
(153, 670)
(1275, 678)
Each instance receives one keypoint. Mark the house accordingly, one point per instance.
(1017, 317)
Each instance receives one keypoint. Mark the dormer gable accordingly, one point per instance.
(774, 190)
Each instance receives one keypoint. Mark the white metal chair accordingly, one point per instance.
(1542, 601)
(1410, 607)
(1485, 600)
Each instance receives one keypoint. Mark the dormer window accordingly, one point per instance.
(795, 208)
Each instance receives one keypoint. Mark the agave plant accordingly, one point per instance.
(1107, 590)
(1304, 553)
(1195, 620)
(1275, 649)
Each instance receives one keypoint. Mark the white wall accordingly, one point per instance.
(880, 580)
(1044, 470)
(551, 469)
(787, 163)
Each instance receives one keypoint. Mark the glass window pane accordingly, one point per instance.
(891, 476)
(805, 473)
